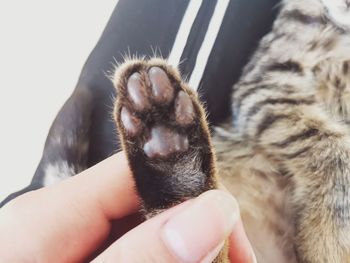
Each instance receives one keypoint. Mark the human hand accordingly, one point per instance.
(92, 216)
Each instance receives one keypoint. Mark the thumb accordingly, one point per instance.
(194, 231)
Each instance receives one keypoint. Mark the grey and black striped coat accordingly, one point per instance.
(287, 155)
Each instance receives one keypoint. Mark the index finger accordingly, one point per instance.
(69, 219)
(107, 187)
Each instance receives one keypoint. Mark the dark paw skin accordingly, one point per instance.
(164, 133)
(165, 136)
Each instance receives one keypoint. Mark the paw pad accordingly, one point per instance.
(131, 123)
(164, 142)
(162, 90)
(184, 111)
(157, 113)
(137, 91)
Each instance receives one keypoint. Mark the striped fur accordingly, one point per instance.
(287, 157)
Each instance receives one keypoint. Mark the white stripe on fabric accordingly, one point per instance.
(183, 32)
(208, 43)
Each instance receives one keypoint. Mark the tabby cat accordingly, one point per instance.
(285, 155)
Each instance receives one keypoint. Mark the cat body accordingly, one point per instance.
(286, 156)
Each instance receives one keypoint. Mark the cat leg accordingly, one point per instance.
(164, 134)
(314, 151)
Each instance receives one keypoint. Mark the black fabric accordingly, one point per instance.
(196, 37)
(245, 23)
(138, 28)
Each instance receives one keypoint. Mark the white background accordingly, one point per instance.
(43, 46)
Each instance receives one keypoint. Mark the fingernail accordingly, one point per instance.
(200, 228)
(240, 247)
(254, 260)
(213, 254)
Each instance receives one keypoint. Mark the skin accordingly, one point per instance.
(93, 216)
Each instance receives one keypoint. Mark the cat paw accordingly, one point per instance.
(164, 134)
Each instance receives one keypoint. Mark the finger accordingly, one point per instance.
(108, 187)
(240, 249)
(64, 223)
(118, 228)
(192, 232)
